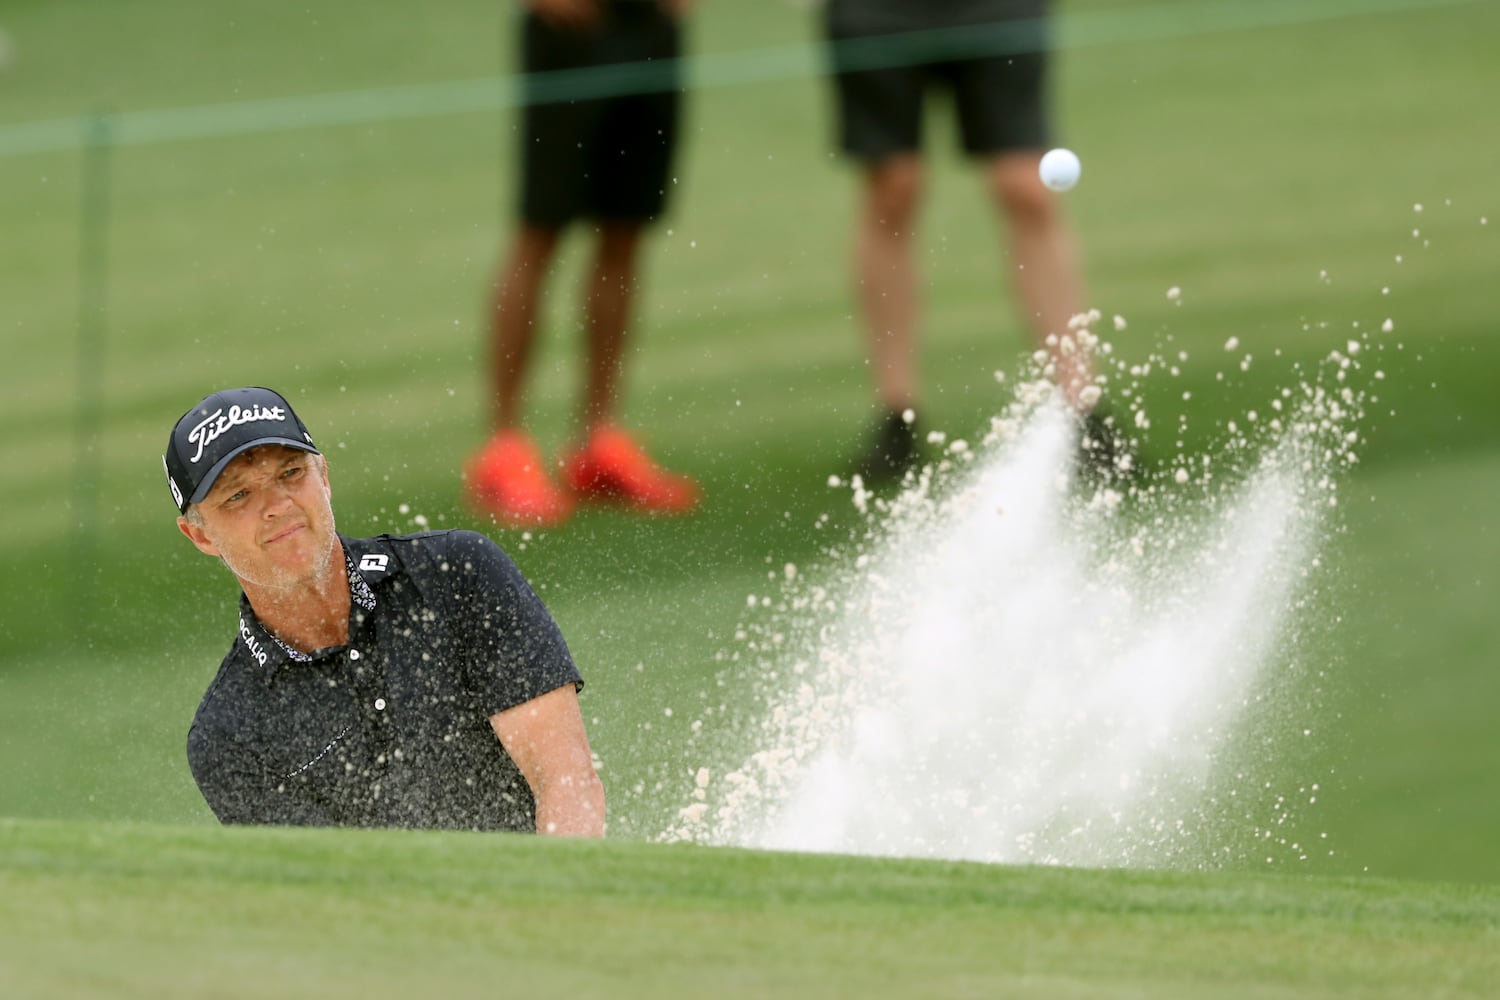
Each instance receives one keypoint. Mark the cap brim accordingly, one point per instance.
(207, 483)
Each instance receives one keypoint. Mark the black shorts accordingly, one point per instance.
(886, 57)
(607, 157)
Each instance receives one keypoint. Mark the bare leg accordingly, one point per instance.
(1045, 260)
(517, 301)
(611, 295)
(886, 275)
(611, 465)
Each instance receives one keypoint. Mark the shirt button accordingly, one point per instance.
(353, 654)
(380, 704)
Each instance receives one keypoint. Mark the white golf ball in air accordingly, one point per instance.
(1060, 169)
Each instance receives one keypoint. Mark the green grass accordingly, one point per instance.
(126, 910)
(1271, 174)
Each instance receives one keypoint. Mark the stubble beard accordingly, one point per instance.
(273, 578)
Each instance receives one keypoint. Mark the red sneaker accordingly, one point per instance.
(612, 466)
(508, 479)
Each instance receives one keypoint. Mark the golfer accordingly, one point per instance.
(407, 681)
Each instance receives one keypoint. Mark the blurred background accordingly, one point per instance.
(313, 196)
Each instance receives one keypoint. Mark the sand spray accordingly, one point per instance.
(1014, 661)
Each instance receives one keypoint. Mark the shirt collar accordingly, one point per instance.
(359, 590)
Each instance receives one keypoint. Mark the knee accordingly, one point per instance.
(1018, 192)
(894, 194)
(534, 245)
(618, 243)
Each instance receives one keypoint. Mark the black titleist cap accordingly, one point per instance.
(223, 425)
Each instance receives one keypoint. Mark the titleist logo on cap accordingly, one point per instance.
(219, 421)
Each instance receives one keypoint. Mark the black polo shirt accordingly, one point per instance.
(392, 729)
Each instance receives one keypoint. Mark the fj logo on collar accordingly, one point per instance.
(374, 562)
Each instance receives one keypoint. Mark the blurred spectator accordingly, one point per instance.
(606, 160)
(887, 55)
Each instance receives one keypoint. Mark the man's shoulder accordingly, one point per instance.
(421, 545)
(449, 558)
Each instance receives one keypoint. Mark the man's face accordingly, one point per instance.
(269, 518)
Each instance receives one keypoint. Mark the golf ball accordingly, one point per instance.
(1060, 169)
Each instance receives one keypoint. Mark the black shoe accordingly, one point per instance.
(1103, 456)
(893, 450)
